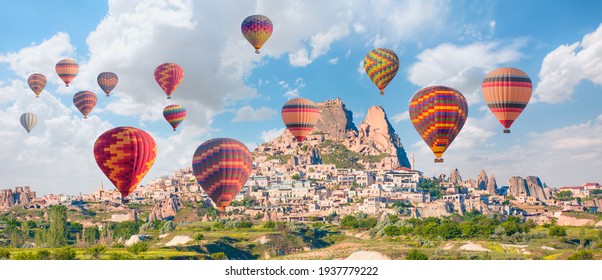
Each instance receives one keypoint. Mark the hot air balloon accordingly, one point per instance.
(37, 83)
(67, 69)
(174, 114)
(257, 29)
(125, 155)
(85, 102)
(29, 121)
(300, 115)
(438, 114)
(107, 81)
(507, 91)
(222, 166)
(381, 65)
(169, 76)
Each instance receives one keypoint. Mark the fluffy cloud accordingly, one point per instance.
(566, 66)
(269, 135)
(462, 67)
(248, 114)
(401, 117)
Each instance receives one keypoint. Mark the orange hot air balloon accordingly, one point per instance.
(169, 76)
(507, 92)
(67, 70)
(222, 167)
(125, 155)
(438, 114)
(107, 81)
(85, 101)
(300, 115)
(37, 83)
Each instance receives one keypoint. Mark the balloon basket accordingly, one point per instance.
(37, 96)
(125, 200)
(506, 130)
(438, 160)
(257, 51)
(382, 92)
(107, 95)
(169, 97)
(174, 129)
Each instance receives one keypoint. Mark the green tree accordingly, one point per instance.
(198, 237)
(168, 226)
(219, 256)
(349, 221)
(40, 237)
(4, 254)
(392, 231)
(296, 177)
(557, 231)
(269, 224)
(564, 195)
(138, 248)
(415, 254)
(57, 232)
(96, 251)
(92, 235)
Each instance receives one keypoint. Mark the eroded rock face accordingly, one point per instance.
(482, 180)
(492, 185)
(374, 139)
(21, 195)
(531, 186)
(455, 177)
(165, 209)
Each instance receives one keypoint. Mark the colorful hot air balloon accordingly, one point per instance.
(438, 114)
(107, 81)
(222, 167)
(174, 114)
(125, 155)
(257, 29)
(67, 69)
(29, 121)
(300, 115)
(37, 83)
(507, 91)
(381, 65)
(84, 101)
(169, 76)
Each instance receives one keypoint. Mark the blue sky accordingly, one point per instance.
(315, 52)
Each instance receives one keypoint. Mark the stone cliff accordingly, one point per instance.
(531, 186)
(21, 195)
(336, 140)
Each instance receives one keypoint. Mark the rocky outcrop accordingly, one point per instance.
(21, 195)
(531, 186)
(492, 185)
(482, 180)
(373, 144)
(165, 210)
(455, 177)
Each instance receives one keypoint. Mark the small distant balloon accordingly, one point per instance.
(29, 121)
(107, 81)
(381, 65)
(257, 29)
(438, 113)
(507, 92)
(37, 83)
(67, 70)
(174, 114)
(84, 101)
(169, 76)
(300, 115)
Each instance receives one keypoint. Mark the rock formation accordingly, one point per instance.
(531, 186)
(455, 177)
(373, 144)
(492, 185)
(21, 195)
(482, 181)
(165, 210)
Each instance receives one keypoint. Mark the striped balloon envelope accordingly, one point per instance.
(257, 29)
(507, 92)
(381, 65)
(438, 114)
(29, 121)
(174, 114)
(85, 101)
(37, 83)
(107, 81)
(67, 70)
(169, 76)
(300, 115)
(125, 155)
(222, 167)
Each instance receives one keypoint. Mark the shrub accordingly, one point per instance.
(198, 237)
(219, 256)
(582, 255)
(138, 248)
(117, 256)
(557, 231)
(64, 253)
(392, 231)
(269, 224)
(4, 254)
(96, 251)
(416, 255)
(167, 227)
(43, 255)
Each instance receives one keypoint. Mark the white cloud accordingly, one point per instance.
(333, 61)
(401, 117)
(271, 134)
(566, 66)
(462, 67)
(248, 114)
(295, 91)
